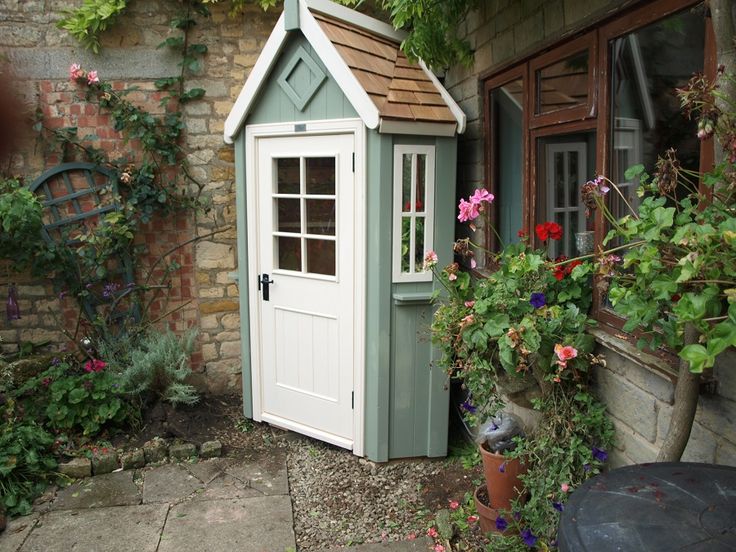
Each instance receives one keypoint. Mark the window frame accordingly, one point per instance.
(594, 116)
(418, 275)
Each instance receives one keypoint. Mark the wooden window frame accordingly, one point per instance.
(417, 275)
(594, 116)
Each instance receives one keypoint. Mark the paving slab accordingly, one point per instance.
(101, 491)
(421, 544)
(208, 470)
(265, 473)
(262, 524)
(119, 529)
(16, 532)
(226, 486)
(169, 483)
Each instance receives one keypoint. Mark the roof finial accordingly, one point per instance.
(291, 15)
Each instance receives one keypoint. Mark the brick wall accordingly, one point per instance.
(41, 55)
(639, 399)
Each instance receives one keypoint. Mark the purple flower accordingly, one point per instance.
(501, 524)
(529, 538)
(558, 506)
(62, 294)
(467, 405)
(55, 361)
(502, 468)
(599, 454)
(538, 300)
(586, 467)
(89, 286)
(109, 290)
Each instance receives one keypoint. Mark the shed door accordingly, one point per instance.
(306, 229)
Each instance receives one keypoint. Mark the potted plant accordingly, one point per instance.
(513, 335)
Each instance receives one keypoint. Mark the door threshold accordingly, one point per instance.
(291, 425)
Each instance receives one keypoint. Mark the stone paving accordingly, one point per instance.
(222, 504)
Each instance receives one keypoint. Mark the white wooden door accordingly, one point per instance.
(305, 223)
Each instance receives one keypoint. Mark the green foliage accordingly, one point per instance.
(159, 365)
(20, 223)
(90, 19)
(490, 332)
(26, 462)
(68, 398)
(567, 447)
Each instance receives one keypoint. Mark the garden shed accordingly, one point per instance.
(345, 166)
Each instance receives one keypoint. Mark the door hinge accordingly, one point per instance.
(352, 400)
(353, 161)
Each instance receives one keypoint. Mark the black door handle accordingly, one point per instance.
(265, 281)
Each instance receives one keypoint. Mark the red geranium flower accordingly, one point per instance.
(548, 230)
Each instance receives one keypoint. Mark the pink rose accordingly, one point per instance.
(92, 77)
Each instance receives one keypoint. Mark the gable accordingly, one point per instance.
(274, 104)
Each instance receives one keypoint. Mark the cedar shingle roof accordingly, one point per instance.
(399, 89)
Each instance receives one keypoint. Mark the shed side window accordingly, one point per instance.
(412, 212)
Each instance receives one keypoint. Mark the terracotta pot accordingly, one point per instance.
(503, 486)
(486, 514)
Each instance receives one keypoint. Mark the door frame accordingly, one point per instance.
(253, 133)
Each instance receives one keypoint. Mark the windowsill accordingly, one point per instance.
(634, 354)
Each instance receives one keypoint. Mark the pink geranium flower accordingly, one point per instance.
(432, 533)
(94, 365)
(92, 77)
(566, 352)
(467, 211)
(473, 518)
(454, 504)
(430, 259)
(439, 548)
(564, 487)
(76, 72)
(481, 195)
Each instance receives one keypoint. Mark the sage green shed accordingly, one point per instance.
(345, 161)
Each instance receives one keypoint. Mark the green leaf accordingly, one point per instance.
(77, 395)
(721, 338)
(634, 172)
(698, 357)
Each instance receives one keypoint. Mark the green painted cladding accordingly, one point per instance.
(273, 105)
(406, 395)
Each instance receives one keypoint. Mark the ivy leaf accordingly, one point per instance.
(698, 358)
(722, 337)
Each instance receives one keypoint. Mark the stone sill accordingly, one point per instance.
(634, 354)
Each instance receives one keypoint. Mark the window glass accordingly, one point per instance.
(563, 84)
(646, 120)
(507, 114)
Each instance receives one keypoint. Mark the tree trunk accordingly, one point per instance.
(683, 411)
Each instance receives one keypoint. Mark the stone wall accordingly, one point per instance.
(41, 55)
(639, 398)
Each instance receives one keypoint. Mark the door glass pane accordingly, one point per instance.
(572, 180)
(563, 84)
(506, 128)
(321, 257)
(406, 182)
(320, 175)
(419, 243)
(420, 183)
(559, 182)
(321, 216)
(289, 215)
(287, 171)
(289, 253)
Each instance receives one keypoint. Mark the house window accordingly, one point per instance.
(597, 104)
(413, 211)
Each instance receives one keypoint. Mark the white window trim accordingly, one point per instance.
(399, 152)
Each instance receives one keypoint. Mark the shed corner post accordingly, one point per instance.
(242, 273)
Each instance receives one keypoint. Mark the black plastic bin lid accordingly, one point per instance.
(653, 507)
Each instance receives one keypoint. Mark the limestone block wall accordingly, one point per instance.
(41, 55)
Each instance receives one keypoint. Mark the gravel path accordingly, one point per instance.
(340, 499)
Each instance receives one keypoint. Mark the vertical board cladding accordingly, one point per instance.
(275, 106)
(419, 394)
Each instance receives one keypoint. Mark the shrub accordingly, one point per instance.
(160, 365)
